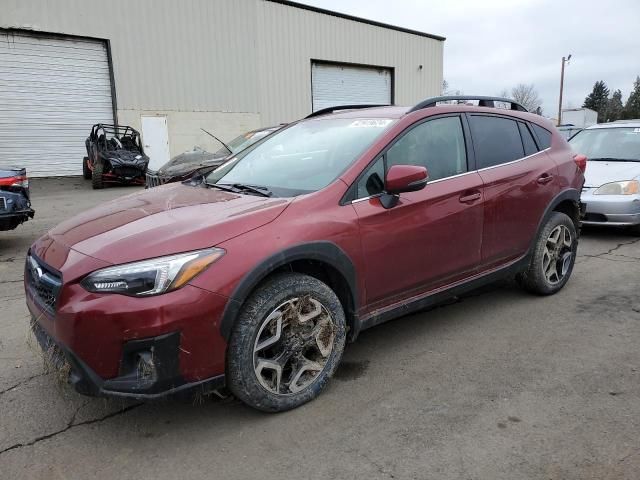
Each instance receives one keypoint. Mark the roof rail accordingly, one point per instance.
(324, 111)
(482, 102)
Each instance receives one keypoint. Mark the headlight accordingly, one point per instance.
(629, 187)
(153, 276)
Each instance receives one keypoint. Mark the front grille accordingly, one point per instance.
(127, 172)
(3, 203)
(43, 282)
(154, 180)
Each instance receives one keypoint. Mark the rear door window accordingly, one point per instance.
(527, 140)
(496, 140)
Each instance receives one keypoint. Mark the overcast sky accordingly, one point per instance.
(496, 44)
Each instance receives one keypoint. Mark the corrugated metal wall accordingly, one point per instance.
(339, 84)
(207, 59)
(291, 37)
(185, 55)
(51, 91)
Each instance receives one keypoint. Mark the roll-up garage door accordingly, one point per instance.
(52, 90)
(336, 84)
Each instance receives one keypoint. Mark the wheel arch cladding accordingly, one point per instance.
(567, 202)
(323, 260)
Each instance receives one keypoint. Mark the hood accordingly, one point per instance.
(165, 220)
(599, 172)
(189, 161)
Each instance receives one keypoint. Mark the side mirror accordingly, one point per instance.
(402, 178)
(405, 178)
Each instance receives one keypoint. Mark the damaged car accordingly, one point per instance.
(15, 204)
(114, 155)
(255, 278)
(201, 162)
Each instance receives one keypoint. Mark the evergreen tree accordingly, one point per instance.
(632, 108)
(598, 100)
(615, 107)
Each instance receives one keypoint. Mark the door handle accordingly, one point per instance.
(545, 178)
(470, 197)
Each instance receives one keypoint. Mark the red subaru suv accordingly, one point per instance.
(254, 277)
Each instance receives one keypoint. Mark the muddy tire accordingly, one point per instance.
(96, 176)
(286, 343)
(553, 258)
(86, 172)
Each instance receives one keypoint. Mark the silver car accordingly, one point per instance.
(612, 181)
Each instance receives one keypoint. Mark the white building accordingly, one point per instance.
(224, 65)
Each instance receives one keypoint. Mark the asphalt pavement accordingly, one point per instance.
(498, 385)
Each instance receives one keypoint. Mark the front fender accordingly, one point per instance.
(322, 251)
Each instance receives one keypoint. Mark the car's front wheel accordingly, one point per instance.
(553, 257)
(286, 343)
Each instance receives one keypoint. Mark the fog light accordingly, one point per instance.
(146, 367)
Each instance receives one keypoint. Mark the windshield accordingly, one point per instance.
(243, 141)
(303, 158)
(619, 143)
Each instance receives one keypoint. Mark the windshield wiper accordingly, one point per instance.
(611, 159)
(225, 187)
(223, 144)
(257, 189)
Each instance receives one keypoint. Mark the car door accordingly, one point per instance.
(519, 183)
(431, 237)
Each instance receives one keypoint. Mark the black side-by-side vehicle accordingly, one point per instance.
(15, 205)
(114, 154)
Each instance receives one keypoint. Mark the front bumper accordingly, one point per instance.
(15, 208)
(133, 383)
(105, 338)
(613, 210)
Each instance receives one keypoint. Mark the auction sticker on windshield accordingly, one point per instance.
(373, 122)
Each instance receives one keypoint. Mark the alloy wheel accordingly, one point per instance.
(293, 345)
(558, 254)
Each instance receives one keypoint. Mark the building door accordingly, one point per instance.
(52, 90)
(335, 84)
(155, 139)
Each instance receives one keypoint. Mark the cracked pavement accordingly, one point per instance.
(499, 385)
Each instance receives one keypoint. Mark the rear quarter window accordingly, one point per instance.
(527, 140)
(496, 140)
(544, 136)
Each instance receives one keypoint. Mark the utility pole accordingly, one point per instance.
(564, 60)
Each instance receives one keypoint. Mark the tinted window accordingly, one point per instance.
(496, 140)
(527, 140)
(372, 182)
(436, 144)
(544, 136)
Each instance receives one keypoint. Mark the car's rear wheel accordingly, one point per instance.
(553, 258)
(86, 171)
(97, 182)
(286, 343)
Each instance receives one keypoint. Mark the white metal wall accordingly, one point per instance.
(51, 91)
(291, 38)
(227, 64)
(334, 84)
